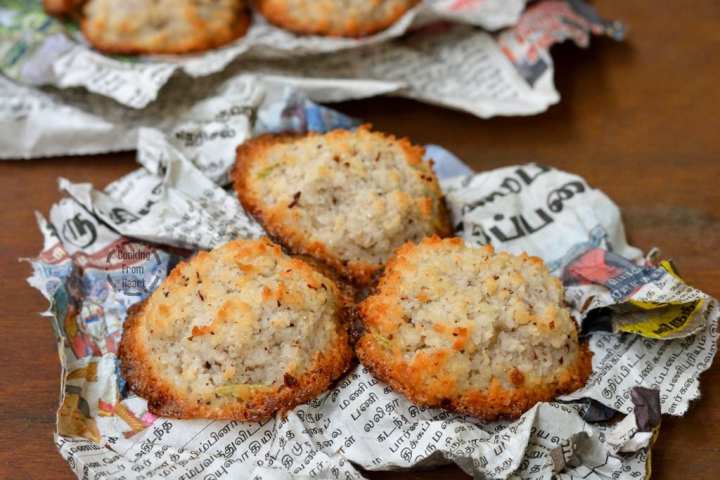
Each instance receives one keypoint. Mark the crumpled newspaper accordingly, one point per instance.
(449, 63)
(106, 250)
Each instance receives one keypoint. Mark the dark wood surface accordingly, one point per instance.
(638, 120)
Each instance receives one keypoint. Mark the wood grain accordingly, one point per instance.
(638, 120)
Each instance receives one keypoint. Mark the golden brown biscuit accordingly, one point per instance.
(472, 331)
(337, 18)
(163, 26)
(348, 197)
(239, 332)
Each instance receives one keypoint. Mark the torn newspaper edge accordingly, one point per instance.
(446, 63)
(97, 260)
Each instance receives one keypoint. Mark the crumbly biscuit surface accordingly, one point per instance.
(239, 332)
(344, 18)
(163, 26)
(349, 198)
(471, 330)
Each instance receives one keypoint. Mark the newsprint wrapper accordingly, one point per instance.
(436, 53)
(652, 335)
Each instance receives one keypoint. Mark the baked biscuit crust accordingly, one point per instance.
(240, 333)
(337, 18)
(163, 26)
(471, 331)
(347, 198)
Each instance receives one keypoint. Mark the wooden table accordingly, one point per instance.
(638, 120)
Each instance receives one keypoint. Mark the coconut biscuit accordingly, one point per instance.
(240, 332)
(469, 330)
(337, 18)
(162, 26)
(348, 197)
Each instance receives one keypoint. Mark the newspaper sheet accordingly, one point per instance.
(435, 54)
(652, 335)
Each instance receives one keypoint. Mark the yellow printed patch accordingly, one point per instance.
(662, 321)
